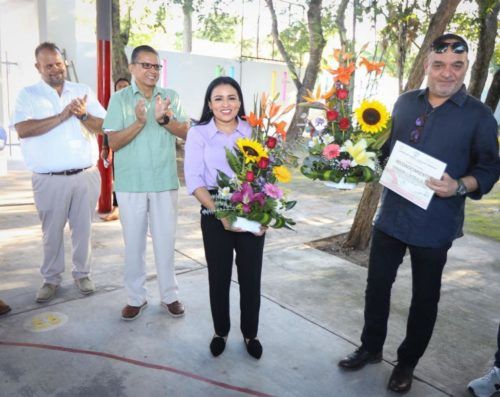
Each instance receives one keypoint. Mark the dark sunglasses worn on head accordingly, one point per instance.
(147, 65)
(457, 47)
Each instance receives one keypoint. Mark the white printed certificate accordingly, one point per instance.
(406, 173)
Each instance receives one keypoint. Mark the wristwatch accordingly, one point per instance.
(461, 188)
(83, 117)
(165, 120)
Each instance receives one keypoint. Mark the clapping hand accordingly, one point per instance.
(78, 106)
(162, 108)
(140, 111)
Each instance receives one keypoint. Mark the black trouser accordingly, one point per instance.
(427, 267)
(497, 355)
(219, 246)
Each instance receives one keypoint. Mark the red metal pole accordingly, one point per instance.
(103, 12)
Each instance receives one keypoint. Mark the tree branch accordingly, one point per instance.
(293, 71)
(486, 46)
(437, 25)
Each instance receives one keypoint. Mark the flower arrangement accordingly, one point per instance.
(340, 150)
(259, 164)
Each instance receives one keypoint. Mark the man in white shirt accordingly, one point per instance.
(57, 122)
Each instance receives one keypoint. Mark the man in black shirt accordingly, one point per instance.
(445, 123)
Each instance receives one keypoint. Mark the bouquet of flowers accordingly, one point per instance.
(259, 163)
(340, 150)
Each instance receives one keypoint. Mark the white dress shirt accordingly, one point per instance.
(69, 145)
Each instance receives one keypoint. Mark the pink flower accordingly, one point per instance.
(331, 151)
(273, 191)
(246, 197)
(345, 164)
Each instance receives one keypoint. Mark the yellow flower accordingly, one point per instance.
(251, 149)
(359, 154)
(313, 97)
(282, 174)
(372, 116)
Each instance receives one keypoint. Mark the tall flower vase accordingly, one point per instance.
(341, 185)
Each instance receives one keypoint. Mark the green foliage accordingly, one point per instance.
(483, 217)
(218, 27)
(295, 39)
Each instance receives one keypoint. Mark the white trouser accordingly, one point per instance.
(62, 198)
(161, 207)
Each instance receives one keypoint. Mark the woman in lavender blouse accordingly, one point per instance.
(219, 127)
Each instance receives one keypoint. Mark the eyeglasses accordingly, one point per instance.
(457, 47)
(147, 65)
(419, 128)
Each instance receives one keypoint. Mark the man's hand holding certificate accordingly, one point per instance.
(407, 171)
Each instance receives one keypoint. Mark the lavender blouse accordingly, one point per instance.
(205, 153)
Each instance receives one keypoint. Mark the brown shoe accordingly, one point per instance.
(130, 313)
(4, 308)
(175, 309)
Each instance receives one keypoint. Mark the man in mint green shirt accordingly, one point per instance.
(142, 124)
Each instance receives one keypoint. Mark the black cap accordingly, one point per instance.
(449, 36)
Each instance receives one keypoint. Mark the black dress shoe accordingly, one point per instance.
(254, 348)
(217, 345)
(401, 378)
(359, 358)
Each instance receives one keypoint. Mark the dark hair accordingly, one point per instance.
(46, 46)
(141, 48)
(121, 79)
(206, 114)
(449, 36)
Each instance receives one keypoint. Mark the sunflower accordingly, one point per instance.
(251, 149)
(372, 116)
(282, 174)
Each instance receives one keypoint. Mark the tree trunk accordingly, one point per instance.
(486, 46)
(361, 229)
(187, 35)
(437, 25)
(118, 42)
(402, 48)
(494, 92)
(316, 45)
(339, 20)
(360, 233)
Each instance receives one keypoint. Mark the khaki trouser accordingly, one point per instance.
(61, 198)
(159, 210)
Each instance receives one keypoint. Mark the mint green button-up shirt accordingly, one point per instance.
(148, 162)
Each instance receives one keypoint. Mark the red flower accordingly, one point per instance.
(271, 142)
(342, 94)
(250, 176)
(263, 163)
(344, 123)
(331, 115)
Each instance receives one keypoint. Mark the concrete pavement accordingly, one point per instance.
(311, 315)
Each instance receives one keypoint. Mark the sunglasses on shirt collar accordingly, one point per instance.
(457, 47)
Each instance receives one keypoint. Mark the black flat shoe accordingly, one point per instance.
(217, 345)
(254, 348)
(359, 358)
(401, 378)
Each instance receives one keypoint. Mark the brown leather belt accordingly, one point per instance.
(67, 172)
